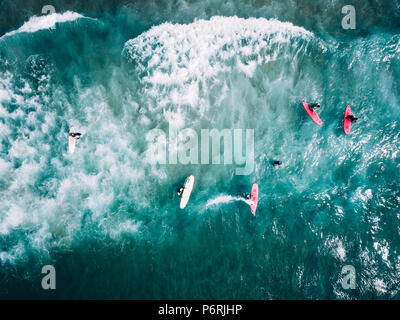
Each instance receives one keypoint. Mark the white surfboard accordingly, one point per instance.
(71, 141)
(187, 190)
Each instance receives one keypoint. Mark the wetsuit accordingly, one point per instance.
(75, 135)
(351, 118)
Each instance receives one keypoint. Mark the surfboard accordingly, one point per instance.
(71, 141)
(187, 190)
(347, 123)
(254, 198)
(313, 115)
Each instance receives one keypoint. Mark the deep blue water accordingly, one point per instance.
(109, 221)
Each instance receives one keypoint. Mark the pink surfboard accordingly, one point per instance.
(254, 198)
(313, 115)
(347, 123)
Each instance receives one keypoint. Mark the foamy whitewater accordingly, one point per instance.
(225, 199)
(37, 23)
(109, 221)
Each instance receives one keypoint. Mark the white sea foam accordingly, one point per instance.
(181, 64)
(15, 252)
(225, 199)
(336, 247)
(382, 248)
(380, 286)
(127, 228)
(37, 23)
(53, 210)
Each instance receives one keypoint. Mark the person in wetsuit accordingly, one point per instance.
(180, 190)
(313, 106)
(351, 118)
(75, 135)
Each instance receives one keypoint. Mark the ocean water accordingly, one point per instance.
(109, 221)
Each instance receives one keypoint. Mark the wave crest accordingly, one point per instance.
(175, 61)
(37, 23)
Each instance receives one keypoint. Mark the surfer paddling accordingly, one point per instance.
(179, 192)
(310, 109)
(75, 135)
(185, 191)
(72, 138)
(348, 120)
(351, 118)
(313, 106)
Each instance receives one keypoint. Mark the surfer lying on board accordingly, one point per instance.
(277, 163)
(75, 135)
(180, 190)
(314, 105)
(249, 200)
(351, 118)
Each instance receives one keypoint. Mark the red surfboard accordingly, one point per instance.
(313, 115)
(254, 198)
(347, 123)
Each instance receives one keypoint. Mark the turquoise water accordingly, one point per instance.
(110, 222)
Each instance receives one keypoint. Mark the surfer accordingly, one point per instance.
(246, 195)
(180, 190)
(351, 118)
(313, 106)
(75, 135)
(310, 109)
(277, 163)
